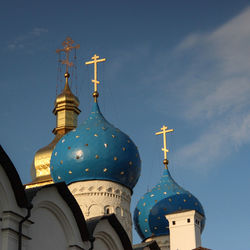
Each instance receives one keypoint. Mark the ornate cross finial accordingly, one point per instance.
(68, 45)
(164, 131)
(95, 81)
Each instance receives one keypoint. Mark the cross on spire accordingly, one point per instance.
(95, 81)
(164, 131)
(68, 45)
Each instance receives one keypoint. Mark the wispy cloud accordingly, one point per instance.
(24, 41)
(219, 99)
(205, 81)
(38, 31)
(229, 43)
(216, 143)
(229, 95)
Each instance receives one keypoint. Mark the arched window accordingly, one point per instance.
(108, 210)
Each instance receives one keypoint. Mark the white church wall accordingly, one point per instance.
(10, 213)
(47, 231)
(7, 196)
(10, 231)
(106, 238)
(99, 197)
(54, 225)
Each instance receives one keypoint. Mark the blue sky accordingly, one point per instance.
(180, 63)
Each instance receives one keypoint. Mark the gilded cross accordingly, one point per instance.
(95, 61)
(68, 45)
(164, 131)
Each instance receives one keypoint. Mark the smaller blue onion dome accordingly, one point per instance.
(96, 150)
(165, 198)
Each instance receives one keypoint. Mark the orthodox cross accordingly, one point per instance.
(164, 131)
(95, 81)
(68, 45)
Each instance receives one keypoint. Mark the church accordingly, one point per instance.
(82, 183)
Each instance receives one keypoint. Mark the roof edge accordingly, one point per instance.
(75, 208)
(14, 179)
(114, 222)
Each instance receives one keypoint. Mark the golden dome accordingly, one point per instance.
(66, 111)
(66, 96)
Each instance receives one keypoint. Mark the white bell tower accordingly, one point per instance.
(185, 230)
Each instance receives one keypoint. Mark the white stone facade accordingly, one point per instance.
(106, 238)
(99, 197)
(185, 230)
(50, 218)
(10, 215)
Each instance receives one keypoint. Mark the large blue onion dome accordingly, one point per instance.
(96, 150)
(165, 198)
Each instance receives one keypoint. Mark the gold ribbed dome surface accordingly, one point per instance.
(67, 96)
(66, 112)
(40, 168)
